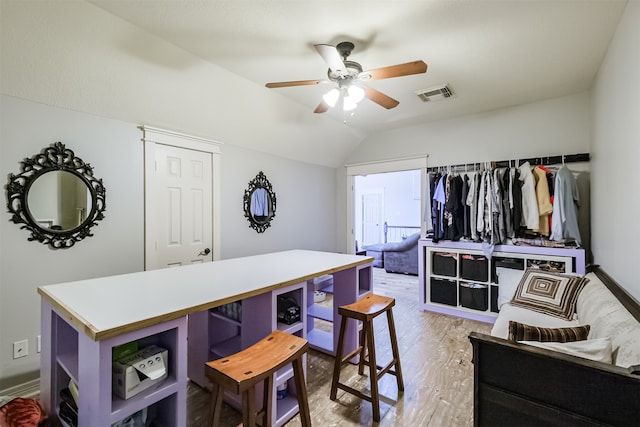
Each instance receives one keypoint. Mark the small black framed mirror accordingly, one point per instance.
(56, 197)
(259, 203)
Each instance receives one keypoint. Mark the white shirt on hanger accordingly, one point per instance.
(530, 215)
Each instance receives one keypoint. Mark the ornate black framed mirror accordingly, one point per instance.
(259, 203)
(56, 197)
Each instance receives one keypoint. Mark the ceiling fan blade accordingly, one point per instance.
(380, 98)
(321, 108)
(331, 57)
(295, 83)
(415, 67)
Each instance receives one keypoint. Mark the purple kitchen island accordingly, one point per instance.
(221, 306)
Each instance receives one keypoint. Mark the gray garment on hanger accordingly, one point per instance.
(472, 202)
(564, 220)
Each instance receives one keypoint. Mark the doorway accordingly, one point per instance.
(371, 194)
(182, 188)
(387, 206)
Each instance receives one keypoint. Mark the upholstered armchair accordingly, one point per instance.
(396, 257)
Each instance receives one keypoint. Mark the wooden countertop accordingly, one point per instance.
(110, 306)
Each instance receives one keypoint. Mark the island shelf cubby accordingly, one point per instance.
(326, 339)
(87, 362)
(235, 326)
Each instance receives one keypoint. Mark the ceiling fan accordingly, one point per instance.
(350, 78)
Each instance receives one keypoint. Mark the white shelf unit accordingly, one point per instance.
(457, 278)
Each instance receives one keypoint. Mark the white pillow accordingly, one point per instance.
(598, 349)
(508, 280)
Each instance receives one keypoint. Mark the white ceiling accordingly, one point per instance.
(493, 54)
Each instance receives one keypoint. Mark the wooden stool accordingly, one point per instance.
(365, 310)
(242, 371)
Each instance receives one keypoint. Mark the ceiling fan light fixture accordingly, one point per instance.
(349, 104)
(331, 97)
(345, 73)
(356, 93)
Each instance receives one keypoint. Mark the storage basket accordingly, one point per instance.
(443, 291)
(474, 267)
(474, 296)
(444, 264)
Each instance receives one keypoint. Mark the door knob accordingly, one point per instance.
(206, 252)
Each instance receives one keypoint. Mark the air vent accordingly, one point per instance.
(435, 93)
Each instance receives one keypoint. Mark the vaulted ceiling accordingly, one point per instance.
(492, 54)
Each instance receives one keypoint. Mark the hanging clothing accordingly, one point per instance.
(493, 206)
(507, 202)
(530, 216)
(465, 208)
(487, 214)
(455, 209)
(427, 204)
(448, 219)
(500, 225)
(565, 206)
(543, 200)
(472, 204)
(482, 196)
(259, 202)
(516, 194)
(439, 200)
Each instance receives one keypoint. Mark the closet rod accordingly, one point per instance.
(554, 160)
(533, 161)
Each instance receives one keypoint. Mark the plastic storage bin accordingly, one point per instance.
(445, 264)
(443, 291)
(474, 296)
(474, 267)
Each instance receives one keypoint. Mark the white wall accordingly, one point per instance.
(114, 150)
(550, 127)
(554, 126)
(616, 150)
(305, 215)
(306, 203)
(75, 55)
(62, 57)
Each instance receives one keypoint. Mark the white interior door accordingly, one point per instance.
(182, 215)
(371, 218)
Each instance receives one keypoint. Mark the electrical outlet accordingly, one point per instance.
(20, 349)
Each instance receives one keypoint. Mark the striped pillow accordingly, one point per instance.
(549, 293)
(523, 332)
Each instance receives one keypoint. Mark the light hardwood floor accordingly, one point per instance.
(436, 362)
